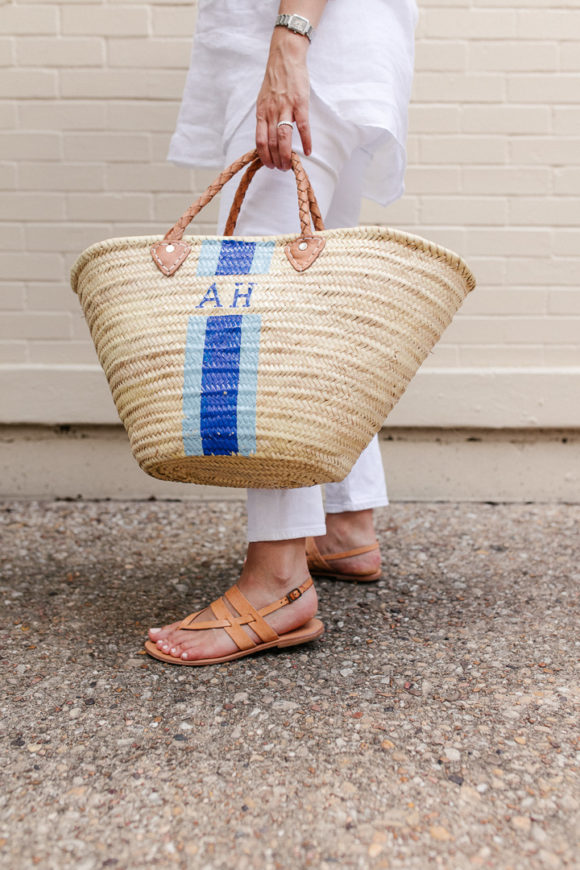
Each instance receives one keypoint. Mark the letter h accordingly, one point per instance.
(238, 295)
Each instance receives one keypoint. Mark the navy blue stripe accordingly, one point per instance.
(235, 257)
(219, 384)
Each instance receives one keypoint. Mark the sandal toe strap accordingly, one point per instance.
(258, 624)
(240, 637)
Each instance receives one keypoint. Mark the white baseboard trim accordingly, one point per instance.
(463, 465)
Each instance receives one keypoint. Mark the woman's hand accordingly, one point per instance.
(284, 96)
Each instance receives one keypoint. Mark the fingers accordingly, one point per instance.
(285, 146)
(274, 143)
(303, 125)
(262, 142)
(273, 132)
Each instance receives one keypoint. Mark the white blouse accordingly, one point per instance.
(360, 61)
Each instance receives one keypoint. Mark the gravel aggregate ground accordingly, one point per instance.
(434, 725)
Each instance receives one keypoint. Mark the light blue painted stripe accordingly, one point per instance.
(194, 349)
(248, 383)
(208, 256)
(262, 258)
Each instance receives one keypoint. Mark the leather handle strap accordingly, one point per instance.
(175, 233)
(239, 196)
(307, 203)
(238, 199)
(306, 199)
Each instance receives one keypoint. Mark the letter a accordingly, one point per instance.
(211, 294)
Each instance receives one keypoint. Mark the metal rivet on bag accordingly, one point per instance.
(302, 246)
(169, 248)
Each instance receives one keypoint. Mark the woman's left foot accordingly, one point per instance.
(348, 531)
(261, 586)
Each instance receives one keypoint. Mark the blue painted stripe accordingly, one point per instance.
(235, 257)
(248, 383)
(209, 256)
(192, 386)
(219, 384)
(262, 258)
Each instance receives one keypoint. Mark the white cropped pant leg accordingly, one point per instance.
(336, 170)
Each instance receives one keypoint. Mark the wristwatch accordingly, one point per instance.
(297, 23)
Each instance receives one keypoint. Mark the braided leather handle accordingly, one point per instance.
(243, 187)
(306, 199)
(239, 196)
(176, 232)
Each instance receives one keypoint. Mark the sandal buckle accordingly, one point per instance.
(294, 594)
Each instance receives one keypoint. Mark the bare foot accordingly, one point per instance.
(271, 570)
(346, 531)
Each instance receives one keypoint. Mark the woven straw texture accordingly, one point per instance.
(237, 370)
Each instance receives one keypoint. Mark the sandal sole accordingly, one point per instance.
(311, 630)
(356, 578)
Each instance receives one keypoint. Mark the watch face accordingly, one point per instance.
(298, 23)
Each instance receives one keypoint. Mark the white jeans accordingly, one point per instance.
(336, 169)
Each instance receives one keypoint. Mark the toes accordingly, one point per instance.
(185, 652)
(157, 634)
(182, 646)
(193, 652)
(173, 643)
(195, 648)
(168, 644)
(175, 637)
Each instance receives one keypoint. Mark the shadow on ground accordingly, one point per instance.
(434, 724)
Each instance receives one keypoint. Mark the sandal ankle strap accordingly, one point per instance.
(291, 596)
(355, 552)
(316, 559)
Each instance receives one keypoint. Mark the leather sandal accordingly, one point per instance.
(319, 567)
(234, 625)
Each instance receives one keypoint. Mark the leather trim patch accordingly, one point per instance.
(168, 256)
(302, 252)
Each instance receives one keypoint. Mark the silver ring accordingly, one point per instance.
(285, 123)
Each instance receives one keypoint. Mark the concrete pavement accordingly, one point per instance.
(434, 725)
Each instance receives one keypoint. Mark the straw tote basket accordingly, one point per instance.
(265, 361)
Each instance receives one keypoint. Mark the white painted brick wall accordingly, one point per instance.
(89, 95)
